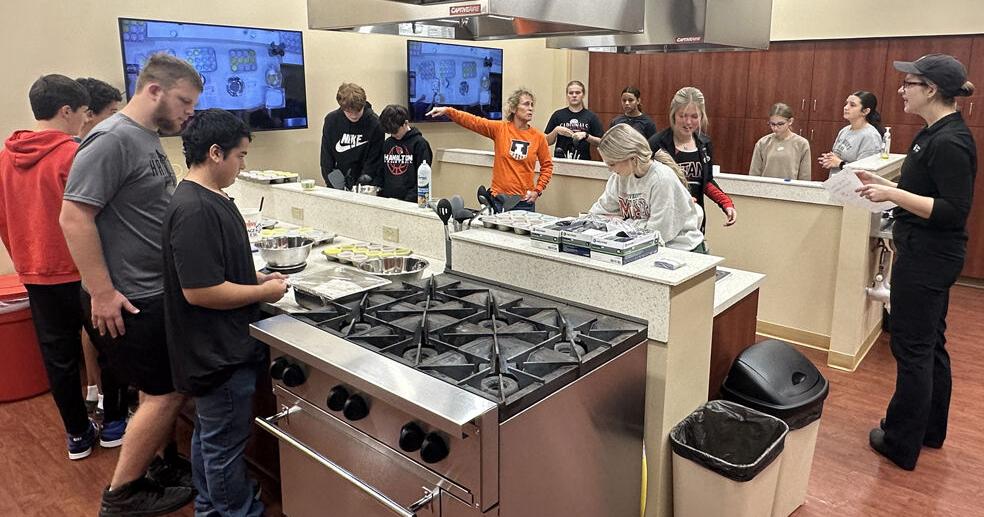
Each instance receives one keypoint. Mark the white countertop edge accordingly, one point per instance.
(642, 269)
(394, 205)
(561, 166)
(734, 287)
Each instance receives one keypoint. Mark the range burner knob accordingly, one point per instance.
(294, 375)
(411, 437)
(355, 408)
(277, 368)
(337, 397)
(434, 449)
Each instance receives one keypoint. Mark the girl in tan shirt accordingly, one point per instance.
(782, 153)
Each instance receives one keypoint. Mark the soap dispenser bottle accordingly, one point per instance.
(886, 143)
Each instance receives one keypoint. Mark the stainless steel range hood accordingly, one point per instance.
(688, 25)
(478, 19)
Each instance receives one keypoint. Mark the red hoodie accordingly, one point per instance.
(33, 170)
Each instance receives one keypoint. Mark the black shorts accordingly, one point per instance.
(139, 357)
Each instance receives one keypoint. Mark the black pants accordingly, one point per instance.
(57, 314)
(925, 268)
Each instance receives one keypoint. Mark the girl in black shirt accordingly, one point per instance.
(934, 196)
(632, 113)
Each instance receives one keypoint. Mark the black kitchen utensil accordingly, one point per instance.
(443, 210)
(365, 179)
(508, 201)
(485, 199)
(336, 179)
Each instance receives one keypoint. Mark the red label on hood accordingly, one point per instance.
(457, 10)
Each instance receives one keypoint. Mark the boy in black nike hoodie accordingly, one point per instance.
(403, 152)
(352, 140)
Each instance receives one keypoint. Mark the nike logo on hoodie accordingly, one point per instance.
(349, 142)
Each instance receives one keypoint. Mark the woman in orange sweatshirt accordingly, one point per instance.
(518, 146)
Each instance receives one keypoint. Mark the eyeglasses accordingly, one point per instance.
(778, 124)
(907, 84)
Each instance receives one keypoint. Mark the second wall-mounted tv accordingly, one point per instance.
(461, 76)
(258, 74)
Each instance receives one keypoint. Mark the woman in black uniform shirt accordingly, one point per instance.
(933, 197)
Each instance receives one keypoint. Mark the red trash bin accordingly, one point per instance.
(22, 372)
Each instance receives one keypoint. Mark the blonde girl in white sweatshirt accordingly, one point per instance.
(650, 193)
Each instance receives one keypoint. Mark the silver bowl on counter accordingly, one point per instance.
(396, 269)
(369, 190)
(285, 251)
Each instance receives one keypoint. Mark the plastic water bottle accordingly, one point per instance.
(886, 143)
(423, 185)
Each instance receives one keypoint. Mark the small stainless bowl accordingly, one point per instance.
(286, 251)
(396, 269)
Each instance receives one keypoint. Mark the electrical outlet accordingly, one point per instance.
(391, 234)
(297, 214)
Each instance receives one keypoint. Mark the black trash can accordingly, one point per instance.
(775, 378)
(726, 460)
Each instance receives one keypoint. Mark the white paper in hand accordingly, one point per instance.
(842, 186)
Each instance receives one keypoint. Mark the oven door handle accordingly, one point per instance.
(268, 424)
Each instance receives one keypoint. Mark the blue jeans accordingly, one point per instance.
(223, 419)
(525, 205)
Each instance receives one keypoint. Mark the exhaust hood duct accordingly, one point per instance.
(478, 19)
(687, 25)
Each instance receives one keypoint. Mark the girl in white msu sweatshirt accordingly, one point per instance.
(648, 192)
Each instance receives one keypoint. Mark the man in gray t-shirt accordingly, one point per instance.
(117, 193)
(121, 169)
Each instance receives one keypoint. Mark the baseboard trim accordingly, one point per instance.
(850, 363)
(793, 335)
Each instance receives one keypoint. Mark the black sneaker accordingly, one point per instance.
(143, 498)
(175, 471)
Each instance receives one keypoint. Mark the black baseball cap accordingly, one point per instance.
(944, 70)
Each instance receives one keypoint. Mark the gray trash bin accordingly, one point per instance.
(726, 461)
(775, 378)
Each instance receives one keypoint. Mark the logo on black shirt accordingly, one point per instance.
(398, 161)
(519, 149)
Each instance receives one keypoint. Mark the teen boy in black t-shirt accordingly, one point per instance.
(211, 294)
(404, 151)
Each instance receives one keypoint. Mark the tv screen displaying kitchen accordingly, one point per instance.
(258, 74)
(461, 76)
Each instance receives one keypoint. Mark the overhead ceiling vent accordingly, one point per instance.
(478, 19)
(687, 25)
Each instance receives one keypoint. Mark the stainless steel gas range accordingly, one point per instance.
(452, 396)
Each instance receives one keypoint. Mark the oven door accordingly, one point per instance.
(330, 468)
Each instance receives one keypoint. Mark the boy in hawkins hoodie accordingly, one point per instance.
(403, 152)
(351, 140)
(34, 167)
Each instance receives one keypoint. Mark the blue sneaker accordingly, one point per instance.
(112, 434)
(80, 445)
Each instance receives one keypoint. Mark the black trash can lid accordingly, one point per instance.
(773, 377)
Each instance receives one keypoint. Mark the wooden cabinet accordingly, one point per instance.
(974, 265)
(660, 76)
(909, 49)
(841, 68)
(723, 78)
(730, 154)
(780, 74)
(609, 75)
(973, 106)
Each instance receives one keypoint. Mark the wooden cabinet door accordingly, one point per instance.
(660, 76)
(902, 135)
(974, 265)
(781, 74)
(841, 68)
(910, 49)
(727, 135)
(821, 134)
(755, 128)
(973, 106)
(723, 78)
(608, 74)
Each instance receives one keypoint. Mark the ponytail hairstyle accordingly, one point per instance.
(869, 101)
(634, 91)
(623, 142)
(685, 97)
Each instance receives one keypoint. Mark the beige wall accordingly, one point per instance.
(835, 19)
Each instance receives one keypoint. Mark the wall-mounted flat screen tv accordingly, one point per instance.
(258, 74)
(464, 77)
